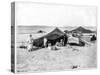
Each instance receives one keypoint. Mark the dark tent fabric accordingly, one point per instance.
(81, 29)
(52, 37)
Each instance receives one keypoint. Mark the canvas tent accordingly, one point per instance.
(81, 29)
(66, 31)
(40, 31)
(52, 37)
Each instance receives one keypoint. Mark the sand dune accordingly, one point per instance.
(63, 59)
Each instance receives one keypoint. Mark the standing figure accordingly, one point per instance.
(45, 42)
(65, 39)
(30, 43)
(81, 42)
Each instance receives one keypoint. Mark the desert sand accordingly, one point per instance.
(63, 59)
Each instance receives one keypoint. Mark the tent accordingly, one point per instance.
(81, 29)
(66, 31)
(52, 37)
(40, 31)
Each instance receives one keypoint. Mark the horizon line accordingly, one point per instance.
(56, 26)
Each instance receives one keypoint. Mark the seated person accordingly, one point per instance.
(61, 42)
(93, 38)
(54, 48)
(49, 46)
(57, 44)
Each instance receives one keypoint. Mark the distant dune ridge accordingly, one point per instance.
(34, 29)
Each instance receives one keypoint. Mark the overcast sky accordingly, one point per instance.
(28, 14)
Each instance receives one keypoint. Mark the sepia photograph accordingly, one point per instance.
(54, 37)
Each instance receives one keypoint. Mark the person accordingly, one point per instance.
(30, 43)
(57, 43)
(81, 41)
(93, 38)
(45, 42)
(61, 42)
(49, 46)
(65, 39)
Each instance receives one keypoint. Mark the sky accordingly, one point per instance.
(32, 14)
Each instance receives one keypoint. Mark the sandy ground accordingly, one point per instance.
(63, 59)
